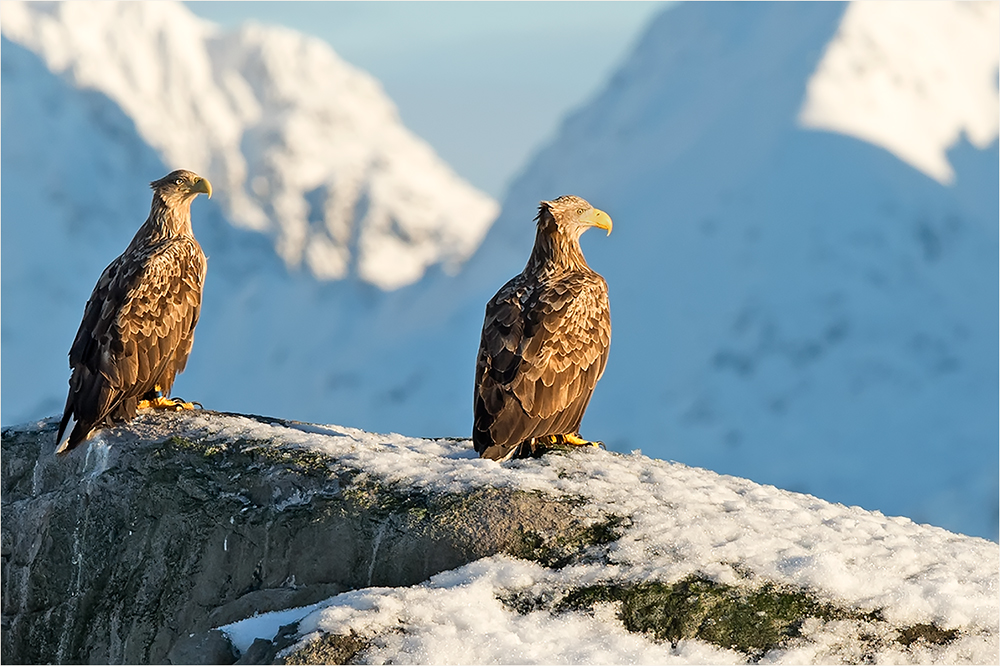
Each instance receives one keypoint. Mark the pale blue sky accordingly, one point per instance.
(485, 83)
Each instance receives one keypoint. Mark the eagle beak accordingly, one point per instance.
(597, 218)
(202, 185)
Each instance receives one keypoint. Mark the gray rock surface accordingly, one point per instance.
(132, 549)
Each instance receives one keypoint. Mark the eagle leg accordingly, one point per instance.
(574, 439)
(155, 400)
(537, 446)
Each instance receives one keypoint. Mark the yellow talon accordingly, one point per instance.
(576, 440)
(570, 439)
(165, 403)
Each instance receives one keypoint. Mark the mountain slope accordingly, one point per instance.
(910, 82)
(821, 316)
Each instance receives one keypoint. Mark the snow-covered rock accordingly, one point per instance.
(314, 540)
(298, 143)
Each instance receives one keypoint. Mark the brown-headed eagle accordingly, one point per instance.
(545, 341)
(138, 326)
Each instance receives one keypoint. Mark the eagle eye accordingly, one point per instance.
(579, 211)
(178, 181)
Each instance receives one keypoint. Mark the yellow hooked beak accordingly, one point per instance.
(597, 218)
(202, 185)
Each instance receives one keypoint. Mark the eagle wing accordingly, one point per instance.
(543, 348)
(136, 333)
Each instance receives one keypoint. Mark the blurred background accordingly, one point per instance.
(485, 83)
(804, 267)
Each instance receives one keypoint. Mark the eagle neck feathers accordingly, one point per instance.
(556, 251)
(168, 219)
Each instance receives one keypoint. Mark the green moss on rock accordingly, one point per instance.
(928, 633)
(752, 620)
(556, 550)
(329, 649)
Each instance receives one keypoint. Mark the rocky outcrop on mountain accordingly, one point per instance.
(134, 551)
(162, 540)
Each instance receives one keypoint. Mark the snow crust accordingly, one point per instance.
(912, 78)
(298, 144)
(682, 521)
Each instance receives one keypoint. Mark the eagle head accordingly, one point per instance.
(181, 186)
(571, 215)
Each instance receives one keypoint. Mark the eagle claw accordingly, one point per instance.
(172, 404)
(575, 440)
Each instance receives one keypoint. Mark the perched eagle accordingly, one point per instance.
(138, 325)
(545, 341)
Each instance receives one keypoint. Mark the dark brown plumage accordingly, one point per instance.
(545, 340)
(138, 326)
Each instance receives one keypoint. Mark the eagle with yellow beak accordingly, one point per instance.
(138, 326)
(545, 341)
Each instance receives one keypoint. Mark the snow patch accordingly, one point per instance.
(456, 618)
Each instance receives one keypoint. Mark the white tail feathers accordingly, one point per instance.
(64, 442)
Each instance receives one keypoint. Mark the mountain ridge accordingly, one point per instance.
(302, 145)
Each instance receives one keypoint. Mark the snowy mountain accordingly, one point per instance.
(329, 544)
(298, 143)
(802, 294)
(795, 298)
(308, 159)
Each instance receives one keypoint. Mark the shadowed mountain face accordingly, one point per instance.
(324, 200)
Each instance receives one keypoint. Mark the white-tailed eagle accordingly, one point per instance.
(138, 326)
(545, 341)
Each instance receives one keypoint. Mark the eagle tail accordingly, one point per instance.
(62, 443)
(77, 432)
(86, 406)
